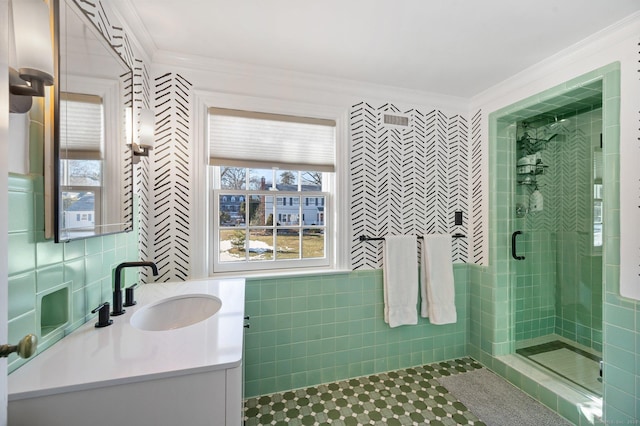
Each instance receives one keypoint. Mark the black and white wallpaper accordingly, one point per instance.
(170, 210)
(142, 99)
(410, 180)
(477, 245)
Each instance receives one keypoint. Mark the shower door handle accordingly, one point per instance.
(514, 243)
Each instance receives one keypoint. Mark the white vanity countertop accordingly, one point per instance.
(93, 357)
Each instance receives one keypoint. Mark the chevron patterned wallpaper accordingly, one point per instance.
(142, 99)
(478, 238)
(409, 180)
(170, 179)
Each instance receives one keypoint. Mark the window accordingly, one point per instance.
(81, 163)
(597, 198)
(272, 165)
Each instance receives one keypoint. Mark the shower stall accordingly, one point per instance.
(556, 234)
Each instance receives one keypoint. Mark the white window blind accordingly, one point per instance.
(81, 126)
(245, 138)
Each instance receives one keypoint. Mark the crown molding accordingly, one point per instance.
(344, 87)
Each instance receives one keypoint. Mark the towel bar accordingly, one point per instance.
(365, 238)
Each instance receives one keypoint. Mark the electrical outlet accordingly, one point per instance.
(457, 219)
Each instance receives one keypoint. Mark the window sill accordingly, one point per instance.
(281, 273)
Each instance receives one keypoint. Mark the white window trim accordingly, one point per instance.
(340, 231)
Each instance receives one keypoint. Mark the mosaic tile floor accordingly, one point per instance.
(412, 396)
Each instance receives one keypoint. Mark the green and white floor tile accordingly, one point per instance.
(404, 397)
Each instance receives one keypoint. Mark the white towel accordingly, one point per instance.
(436, 284)
(400, 280)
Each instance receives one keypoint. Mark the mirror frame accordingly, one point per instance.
(53, 192)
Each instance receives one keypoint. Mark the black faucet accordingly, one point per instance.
(117, 290)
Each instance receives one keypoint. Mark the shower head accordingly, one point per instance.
(561, 127)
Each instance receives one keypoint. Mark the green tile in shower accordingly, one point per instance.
(568, 410)
(624, 362)
(623, 405)
(620, 316)
(580, 324)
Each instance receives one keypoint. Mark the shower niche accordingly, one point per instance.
(529, 153)
(531, 164)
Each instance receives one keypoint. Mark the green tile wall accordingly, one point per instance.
(579, 264)
(310, 330)
(72, 278)
(487, 285)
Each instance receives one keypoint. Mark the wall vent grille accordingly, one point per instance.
(396, 120)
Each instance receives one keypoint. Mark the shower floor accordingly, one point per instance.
(578, 366)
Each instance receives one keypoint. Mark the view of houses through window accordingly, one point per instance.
(270, 215)
(81, 182)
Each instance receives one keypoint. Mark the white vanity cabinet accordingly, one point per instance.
(119, 375)
(201, 399)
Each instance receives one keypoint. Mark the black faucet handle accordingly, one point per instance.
(128, 296)
(103, 315)
(117, 303)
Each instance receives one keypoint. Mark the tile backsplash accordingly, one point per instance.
(53, 287)
(318, 329)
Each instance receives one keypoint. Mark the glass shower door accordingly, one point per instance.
(557, 245)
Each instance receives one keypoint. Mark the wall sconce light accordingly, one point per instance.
(31, 51)
(146, 135)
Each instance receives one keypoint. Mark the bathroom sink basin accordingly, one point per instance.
(176, 312)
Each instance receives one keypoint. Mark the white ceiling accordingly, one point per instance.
(452, 47)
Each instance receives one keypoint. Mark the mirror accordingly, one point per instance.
(92, 169)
